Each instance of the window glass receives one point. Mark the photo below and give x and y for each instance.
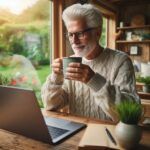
(103, 40)
(25, 43)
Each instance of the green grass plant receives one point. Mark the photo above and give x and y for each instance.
(5, 70)
(43, 72)
(129, 111)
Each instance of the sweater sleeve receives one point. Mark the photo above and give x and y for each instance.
(53, 95)
(109, 93)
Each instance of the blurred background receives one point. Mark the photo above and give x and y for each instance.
(25, 43)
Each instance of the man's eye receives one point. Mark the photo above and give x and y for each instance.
(70, 35)
(80, 34)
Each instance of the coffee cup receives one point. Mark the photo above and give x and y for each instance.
(68, 60)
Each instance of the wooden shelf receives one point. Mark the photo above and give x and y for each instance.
(124, 41)
(144, 95)
(130, 27)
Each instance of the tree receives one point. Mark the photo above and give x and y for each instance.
(39, 11)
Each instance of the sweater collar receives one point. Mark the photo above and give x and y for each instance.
(95, 59)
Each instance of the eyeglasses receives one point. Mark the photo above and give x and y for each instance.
(80, 35)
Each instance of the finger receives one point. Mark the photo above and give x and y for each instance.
(57, 70)
(58, 60)
(57, 63)
(83, 77)
(74, 70)
(73, 64)
(73, 75)
(57, 66)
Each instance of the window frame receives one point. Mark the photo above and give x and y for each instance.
(109, 12)
(58, 40)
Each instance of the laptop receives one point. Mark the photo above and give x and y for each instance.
(20, 113)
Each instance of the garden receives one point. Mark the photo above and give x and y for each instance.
(25, 47)
(24, 59)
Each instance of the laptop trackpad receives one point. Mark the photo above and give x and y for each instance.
(57, 122)
(61, 123)
(65, 126)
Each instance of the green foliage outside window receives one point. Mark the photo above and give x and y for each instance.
(35, 20)
(103, 34)
(15, 42)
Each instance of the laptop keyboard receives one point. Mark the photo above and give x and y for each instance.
(56, 132)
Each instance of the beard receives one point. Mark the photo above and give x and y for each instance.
(83, 50)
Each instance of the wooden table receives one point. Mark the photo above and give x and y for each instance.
(11, 141)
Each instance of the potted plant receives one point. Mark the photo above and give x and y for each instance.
(128, 133)
(146, 81)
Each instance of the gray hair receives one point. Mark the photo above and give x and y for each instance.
(89, 12)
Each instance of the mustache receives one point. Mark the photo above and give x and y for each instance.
(76, 46)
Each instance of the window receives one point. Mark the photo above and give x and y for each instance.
(103, 39)
(25, 43)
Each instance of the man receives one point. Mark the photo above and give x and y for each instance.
(104, 78)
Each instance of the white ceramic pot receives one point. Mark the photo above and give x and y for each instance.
(128, 135)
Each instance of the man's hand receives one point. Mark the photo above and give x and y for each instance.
(79, 72)
(57, 66)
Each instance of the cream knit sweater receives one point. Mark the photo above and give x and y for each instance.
(114, 80)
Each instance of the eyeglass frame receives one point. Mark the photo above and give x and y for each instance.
(80, 35)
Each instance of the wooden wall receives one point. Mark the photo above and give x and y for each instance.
(126, 12)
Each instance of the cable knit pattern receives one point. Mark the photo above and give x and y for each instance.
(114, 81)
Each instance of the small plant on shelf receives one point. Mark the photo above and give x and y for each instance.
(146, 82)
